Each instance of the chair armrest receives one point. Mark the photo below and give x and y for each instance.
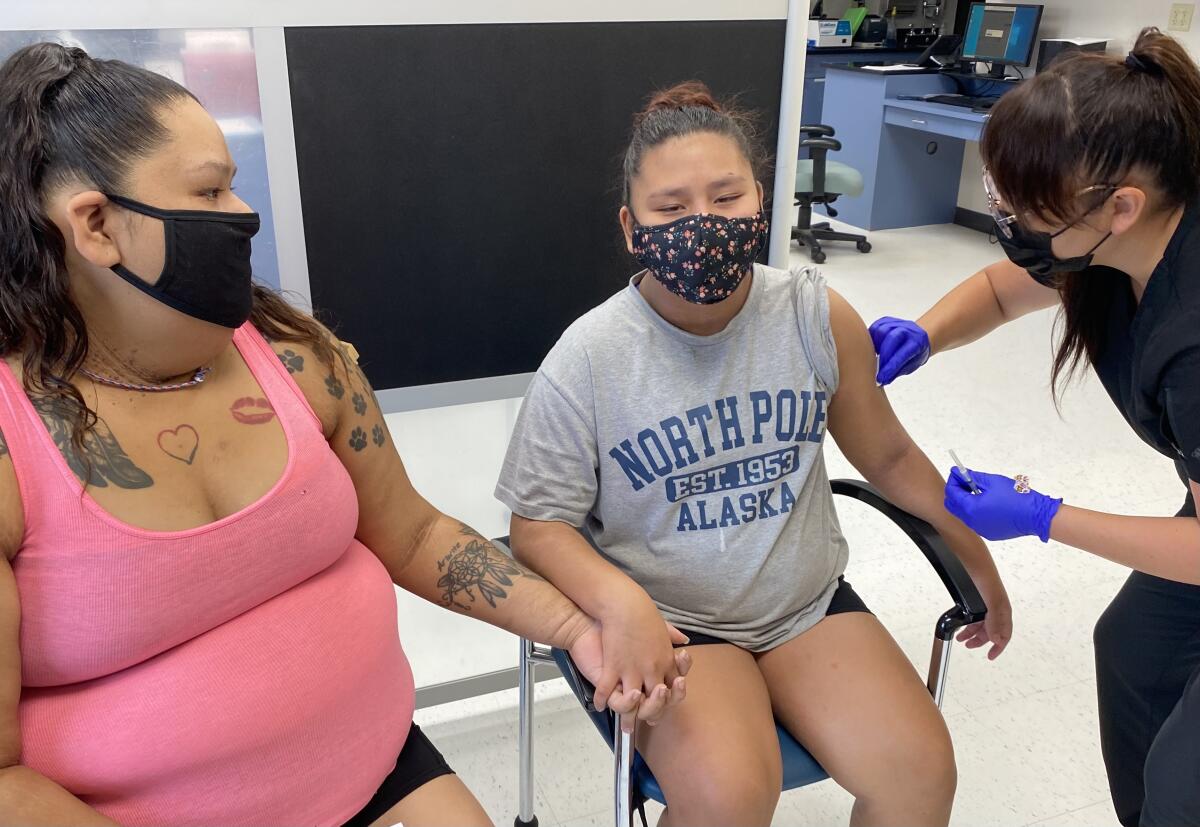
(821, 143)
(817, 129)
(969, 606)
(584, 690)
(818, 148)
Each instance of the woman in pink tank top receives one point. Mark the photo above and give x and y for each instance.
(201, 514)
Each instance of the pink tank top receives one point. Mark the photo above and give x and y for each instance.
(246, 672)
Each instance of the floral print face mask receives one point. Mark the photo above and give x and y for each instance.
(701, 258)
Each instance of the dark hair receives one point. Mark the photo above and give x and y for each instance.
(686, 108)
(1093, 119)
(66, 117)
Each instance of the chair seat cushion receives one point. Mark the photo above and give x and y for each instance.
(799, 768)
(840, 179)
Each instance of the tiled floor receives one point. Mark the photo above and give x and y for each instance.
(1024, 726)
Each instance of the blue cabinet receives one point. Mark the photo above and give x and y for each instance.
(821, 59)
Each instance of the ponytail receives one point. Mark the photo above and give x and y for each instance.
(1172, 79)
(37, 315)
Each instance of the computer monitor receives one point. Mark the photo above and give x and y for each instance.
(1001, 34)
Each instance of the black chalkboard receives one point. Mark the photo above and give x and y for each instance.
(460, 183)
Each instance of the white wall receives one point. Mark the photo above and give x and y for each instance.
(1118, 21)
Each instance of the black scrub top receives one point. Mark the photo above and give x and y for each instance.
(1150, 364)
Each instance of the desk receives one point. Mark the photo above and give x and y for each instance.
(909, 152)
(821, 59)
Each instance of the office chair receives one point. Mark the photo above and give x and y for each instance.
(634, 784)
(821, 181)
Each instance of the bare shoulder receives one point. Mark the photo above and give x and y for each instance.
(848, 327)
(330, 383)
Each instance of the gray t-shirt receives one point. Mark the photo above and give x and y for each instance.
(695, 461)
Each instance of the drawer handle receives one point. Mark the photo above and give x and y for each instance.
(918, 120)
(818, 80)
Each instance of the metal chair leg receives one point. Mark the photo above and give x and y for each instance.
(525, 682)
(623, 752)
(939, 660)
(938, 665)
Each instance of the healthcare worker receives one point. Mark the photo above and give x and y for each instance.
(1092, 171)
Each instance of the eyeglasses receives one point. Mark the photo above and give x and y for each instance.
(1005, 219)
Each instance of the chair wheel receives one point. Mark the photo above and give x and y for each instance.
(818, 256)
(864, 246)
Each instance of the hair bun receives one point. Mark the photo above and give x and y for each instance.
(691, 93)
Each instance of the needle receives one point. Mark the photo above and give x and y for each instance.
(966, 475)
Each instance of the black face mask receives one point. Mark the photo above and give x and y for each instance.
(1033, 252)
(206, 269)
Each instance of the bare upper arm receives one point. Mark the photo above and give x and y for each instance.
(860, 417)
(393, 516)
(10, 666)
(1017, 293)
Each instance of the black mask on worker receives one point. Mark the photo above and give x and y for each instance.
(1033, 251)
(206, 267)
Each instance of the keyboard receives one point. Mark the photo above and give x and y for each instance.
(965, 101)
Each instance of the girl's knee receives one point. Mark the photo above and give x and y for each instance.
(727, 794)
(921, 767)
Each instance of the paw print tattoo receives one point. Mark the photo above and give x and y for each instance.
(377, 436)
(358, 439)
(292, 360)
(335, 387)
(360, 404)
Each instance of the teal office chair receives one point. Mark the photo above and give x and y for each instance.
(634, 784)
(821, 181)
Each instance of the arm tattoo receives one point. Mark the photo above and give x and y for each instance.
(357, 371)
(3, 445)
(335, 387)
(476, 569)
(360, 404)
(378, 436)
(358, 439)
(292, 360)
(103, 461)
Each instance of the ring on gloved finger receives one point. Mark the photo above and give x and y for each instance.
(1021, 484)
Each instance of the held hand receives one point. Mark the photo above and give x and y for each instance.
(664, 698)
(996, 628)
(903, 346)
(1000, 512)
(638, 656)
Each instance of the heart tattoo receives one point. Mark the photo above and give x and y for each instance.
(180, 443)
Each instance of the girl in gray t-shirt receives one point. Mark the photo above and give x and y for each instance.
(681, 422)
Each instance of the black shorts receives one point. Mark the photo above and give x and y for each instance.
(418, 764)
(845, 599)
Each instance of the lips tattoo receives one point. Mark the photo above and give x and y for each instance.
(251, 410)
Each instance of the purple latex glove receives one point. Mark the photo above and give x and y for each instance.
(903, 346)
(1000, 512)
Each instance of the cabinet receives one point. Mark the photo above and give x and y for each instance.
(821, 59)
